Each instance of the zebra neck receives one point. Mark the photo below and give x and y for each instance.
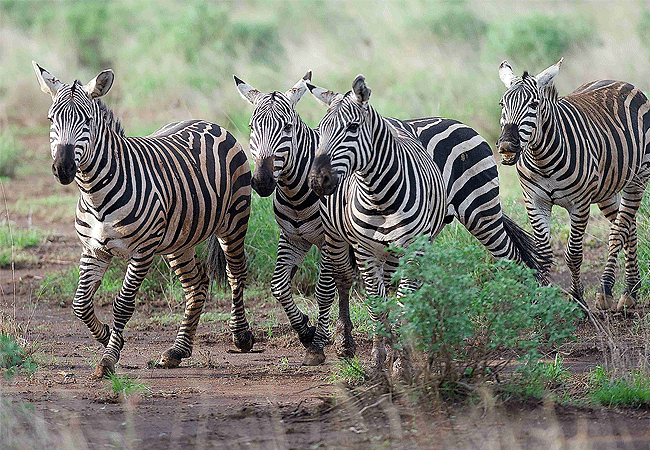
(385, 155)
(293, 180)
(545, 143)
(104, 169)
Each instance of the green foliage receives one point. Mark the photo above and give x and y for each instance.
(13, 358)
(643, 27)
(470, 312)
(10, 147)
(457, 24)
(533, 380)
(14, 240)
(631, 390)
(349, 371)
(125, 385)
(643, 250)
(540, 37)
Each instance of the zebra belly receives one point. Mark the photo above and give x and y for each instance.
(104, 236)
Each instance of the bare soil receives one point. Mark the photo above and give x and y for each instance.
(265, 399)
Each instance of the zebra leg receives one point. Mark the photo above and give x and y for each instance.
(539, 214)
(632, 277)
(344, 341)
(315, 355)
(92, 268)
(609, 207)
(123, 307)
(233, 248)
(291, 253)
(573, 256)
(195, 285)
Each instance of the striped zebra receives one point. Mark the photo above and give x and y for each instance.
(588, 147)
(144, 196)
(283, 148)
(384, 188)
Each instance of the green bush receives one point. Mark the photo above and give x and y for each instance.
(9, 149)
(13, 358)
(471, 316)
(538, 37)
(457, 24)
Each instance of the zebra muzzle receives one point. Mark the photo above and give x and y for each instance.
(322, 179)
(64, 166)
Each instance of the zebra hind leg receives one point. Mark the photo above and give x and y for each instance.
(195, 285)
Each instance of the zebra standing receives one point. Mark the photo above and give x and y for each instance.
(588, 147)
(143, 196)
(385, 189)
(283, 148)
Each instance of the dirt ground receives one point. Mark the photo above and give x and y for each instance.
(222, 399)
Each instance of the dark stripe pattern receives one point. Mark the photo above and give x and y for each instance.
(588, 147)
(157, 195)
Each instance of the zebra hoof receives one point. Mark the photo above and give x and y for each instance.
(104, 369)
(313, 357)
(603, 301)
(244, 340)
(171, 358)
(625, 302)
(307, 337)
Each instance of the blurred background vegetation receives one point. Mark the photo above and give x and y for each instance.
(174, 60)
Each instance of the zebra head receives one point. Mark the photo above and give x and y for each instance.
(520, 108)
(345, 136)
(73, 119)
(273, 131)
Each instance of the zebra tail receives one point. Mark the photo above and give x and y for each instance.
(528, 251)
(215, 262)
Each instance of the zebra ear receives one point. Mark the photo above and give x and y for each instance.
(247, 91)
(49, 83)
(360, 89)
(298, 90)
(506, 74)
(322, 94)
(546, 77)
(100, 85)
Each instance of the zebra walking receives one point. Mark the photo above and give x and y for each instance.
(590, 146)
(283, 148)
(384, 188)
(144, 196)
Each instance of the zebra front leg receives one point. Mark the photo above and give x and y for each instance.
(344, 341)
(123, 307)
(195, 285)
(291, 253)
(233, 248)
(579, 218)
(92, 268)
(325, 287)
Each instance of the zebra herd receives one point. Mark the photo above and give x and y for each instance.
(352, 187)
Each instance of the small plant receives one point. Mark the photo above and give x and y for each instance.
(14, 240)
(349, 371)
(533, 380)
(10, 148)
(628, 390)
(13, 358)
(125, 385)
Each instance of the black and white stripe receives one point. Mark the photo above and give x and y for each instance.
(145, 196)
(588, 147)
(384, 188)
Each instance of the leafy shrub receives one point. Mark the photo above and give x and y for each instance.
(540, 38)
(13, 357)
(471, 316)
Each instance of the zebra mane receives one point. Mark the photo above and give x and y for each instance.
(111, 121)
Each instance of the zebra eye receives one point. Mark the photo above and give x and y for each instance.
(287, 128)
(501, 104)
(353, 127)
(50, 118)
(534, 104)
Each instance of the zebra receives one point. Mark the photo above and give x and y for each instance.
(145, 196)
(384, 188)
(590, 146)
(283, 148)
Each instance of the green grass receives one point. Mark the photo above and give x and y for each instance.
(349, 371)
(13, 242)
(623, 390)
(13, 358)
(10, 149)
(125, 386)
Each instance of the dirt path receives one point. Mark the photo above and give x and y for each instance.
(227, 400)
